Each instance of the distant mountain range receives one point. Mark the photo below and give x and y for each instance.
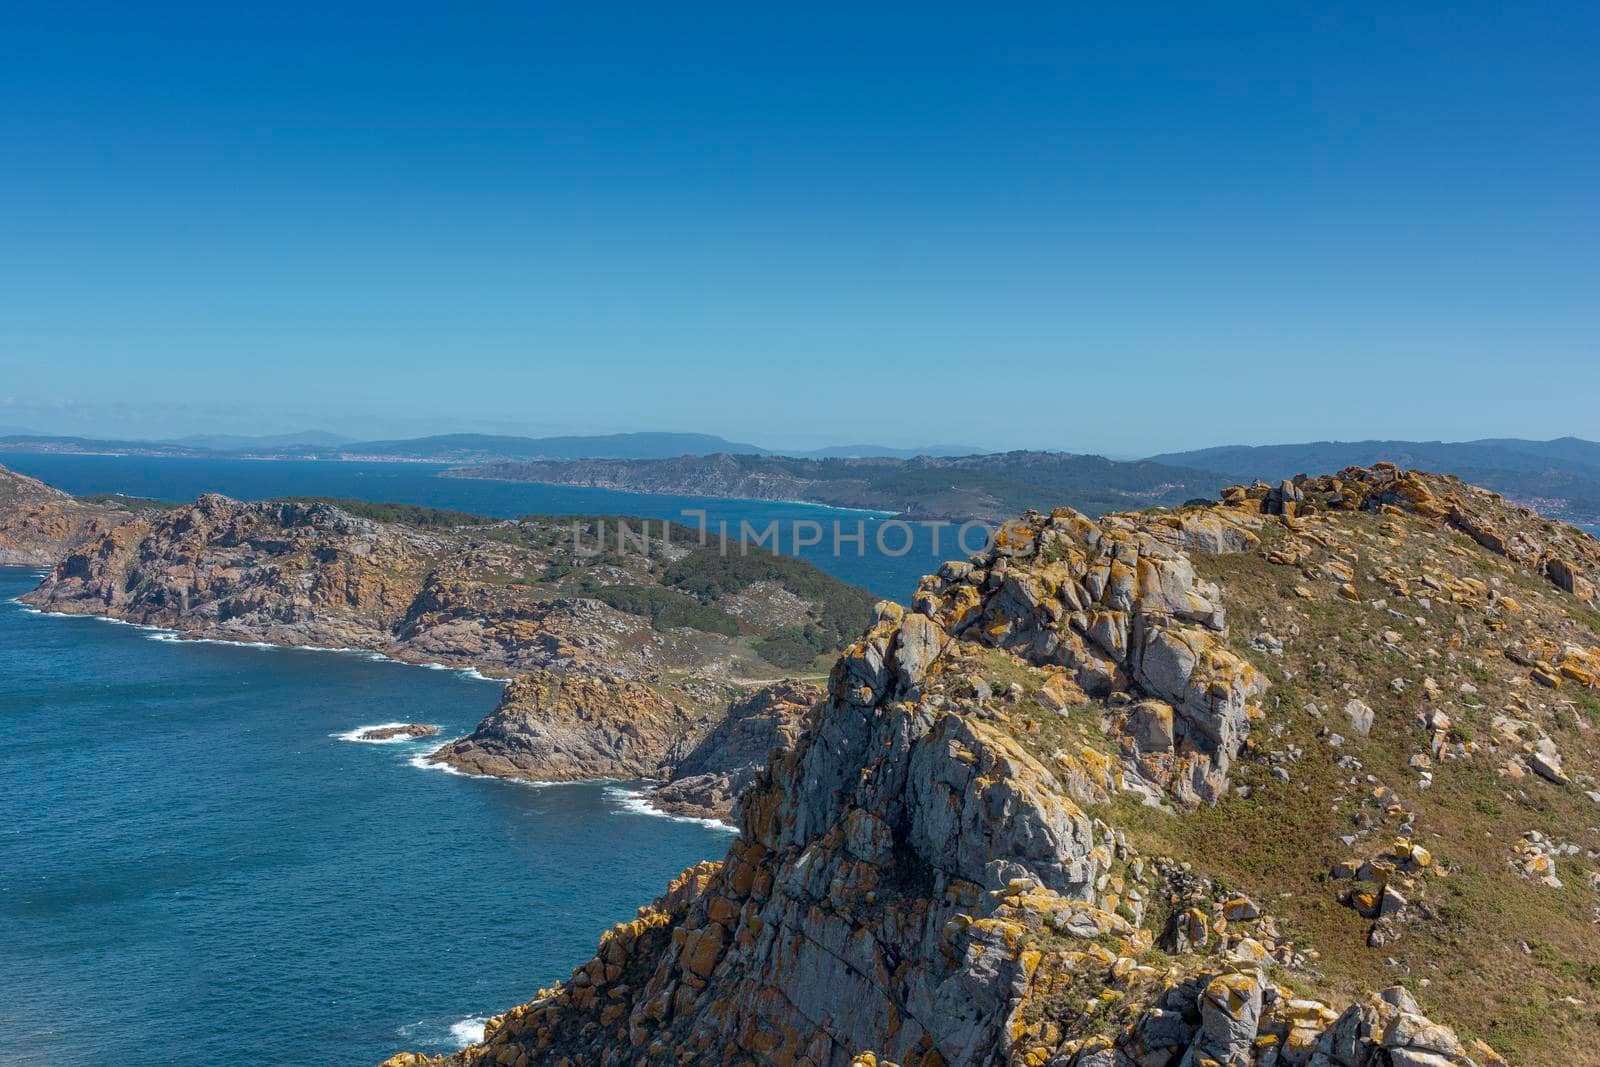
(452, 448)
(222, 442)
(1561, 478)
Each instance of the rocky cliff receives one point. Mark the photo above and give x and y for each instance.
(39, 524)
(708, 780)
(510, 596)
(1168, 790)
(555, 726)
(623, 654)
(706, 746)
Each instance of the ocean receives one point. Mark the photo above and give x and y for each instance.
(196, 867)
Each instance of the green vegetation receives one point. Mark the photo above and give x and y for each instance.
(403, 514)
(708, 573)
(993, 487)
(668, 609)
(795, 647)
(131, 503)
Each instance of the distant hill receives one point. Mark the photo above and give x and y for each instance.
(442, 448)
(222, 442)
(463, 446)
(95, 445)
(884, 452)
(985, 487)
(1560, 478)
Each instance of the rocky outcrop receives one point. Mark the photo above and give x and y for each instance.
(1563, 554)
(1120, 608)
(537, 594)
(390, 733)
(707, 782)
(625, 657)
(911, 886)
(39, 525)
(556, 726)
(944, 867)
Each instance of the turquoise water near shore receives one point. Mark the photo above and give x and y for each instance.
(196, 868)
(893, 573)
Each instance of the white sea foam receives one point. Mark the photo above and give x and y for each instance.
(398, 739)
(832, 507)
(162, 633)
(468, 1031)
(176, 637)
(421, 762)
(634, 801)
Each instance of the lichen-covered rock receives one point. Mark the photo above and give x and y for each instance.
(707, 781)
(913, 884)
(508, 596)
(561, 725)
(39, 525)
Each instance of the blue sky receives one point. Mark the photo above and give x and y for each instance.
(1062, 226)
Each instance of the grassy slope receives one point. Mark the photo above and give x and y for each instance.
(1492, 952)
(1496, 955)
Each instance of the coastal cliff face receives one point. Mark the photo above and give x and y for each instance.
(706, 744)
(509, 596)
(708, 780)
(1169, 789)
(39, 524)
(621, 661)
(554, 726)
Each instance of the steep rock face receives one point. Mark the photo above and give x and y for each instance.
(831, 927)
(39, 525)
(285, 573)
(933, 874)
(509, 596)
(708, 780)
(556, 726)
(858, 909)
(1118, 606)
(629, 656)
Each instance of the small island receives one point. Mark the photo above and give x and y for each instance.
(389, 733)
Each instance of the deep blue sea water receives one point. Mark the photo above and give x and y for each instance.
(195, 869)
(893, 573)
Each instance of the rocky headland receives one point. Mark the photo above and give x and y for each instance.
(707, 781)
(621, 655)
(40, 524)
(506, 596)
(559, 726)
(1167, 789)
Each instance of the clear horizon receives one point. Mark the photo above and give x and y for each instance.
(1120, 232)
